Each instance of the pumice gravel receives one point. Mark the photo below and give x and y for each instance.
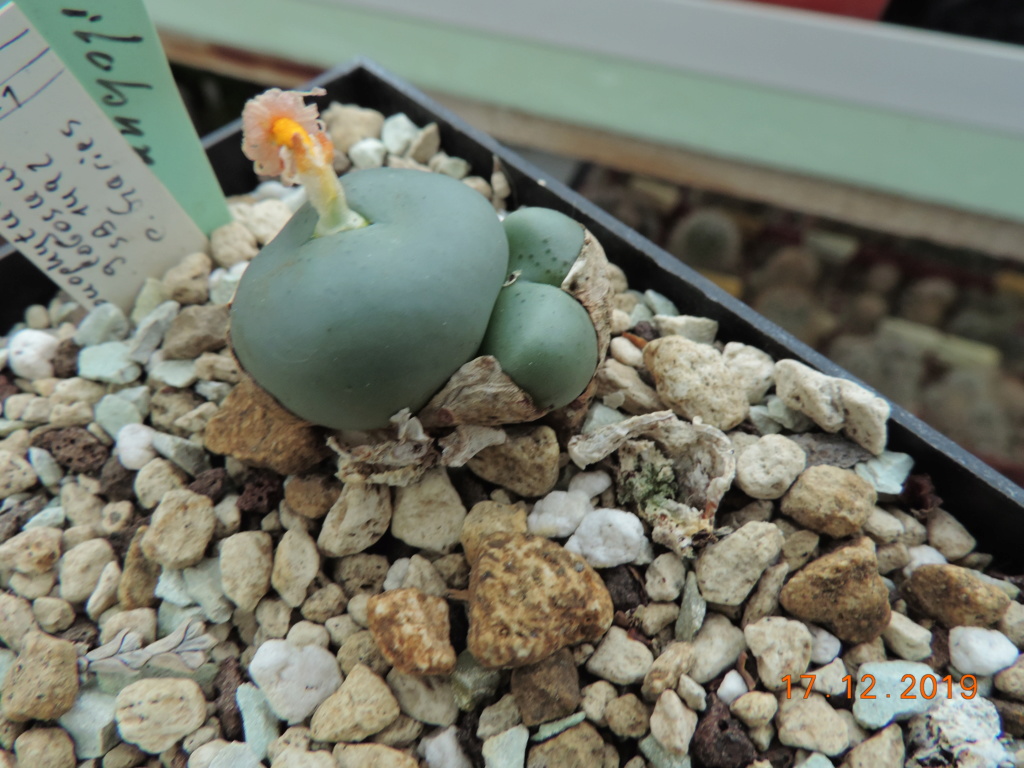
(724, 568)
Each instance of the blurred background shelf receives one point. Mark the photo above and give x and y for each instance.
(911, 132)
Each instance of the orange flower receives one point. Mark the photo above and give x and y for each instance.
(283, 135)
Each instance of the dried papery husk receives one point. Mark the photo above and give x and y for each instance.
(466, 441)
(380, 457)
(703, 464)
(481, 394)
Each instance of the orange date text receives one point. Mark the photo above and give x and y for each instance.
(927, 687)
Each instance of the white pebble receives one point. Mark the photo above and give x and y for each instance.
(134, 447)
(825, 646)
(591, 484)
(732, 687)
(31, 352)
(558, 514)
(610, 537)
(980, 651)
(368, 153)
(442, 750)
(295, 679)
(922, 555)
(398, 132)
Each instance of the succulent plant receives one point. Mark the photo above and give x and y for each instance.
(542, 337)
(383, 285)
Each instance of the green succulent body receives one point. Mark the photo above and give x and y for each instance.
(346, 330)
(543, 338)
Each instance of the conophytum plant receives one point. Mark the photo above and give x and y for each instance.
(389, 280)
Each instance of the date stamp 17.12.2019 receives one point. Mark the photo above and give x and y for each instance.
(925, 686)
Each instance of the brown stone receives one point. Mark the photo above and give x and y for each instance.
(74, 448)
(955, 596)
(1011, 713)
(117, 481)
(43, 681)
(140, 575)
(547, 690)
(529, 597)
(830, 500)
(252, 427)
(196, 330)
(411, 630)
(720, 740)
(213, 483)
(65, 359)
(486, 518)
(578, 747)
(526, 463)
(842, 591)
(311, 496)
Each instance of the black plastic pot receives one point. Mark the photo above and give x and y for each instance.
(987, 503)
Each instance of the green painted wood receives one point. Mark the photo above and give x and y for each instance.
(964, 167)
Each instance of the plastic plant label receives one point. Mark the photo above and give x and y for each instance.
(112, 49)
(75, 198)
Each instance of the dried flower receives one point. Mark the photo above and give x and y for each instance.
(284, 137)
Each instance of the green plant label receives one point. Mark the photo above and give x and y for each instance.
(74, 197)
(112, 49)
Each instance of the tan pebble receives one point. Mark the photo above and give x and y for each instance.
(627, 717)
(116, 516)
(31, 587)
(547, 690)
(274, 616)
(356, 519)
(580, 745)
(53, 614)
(156, 713)
(728, 570)
(830, 500)
(180, 529)
(141, 621)
(530, 597)
(296, 563)
(359, 647)
(695, 382)
(955, 596)
(323, 604)
(883, 749)
(948, 535)
(347, 124)
(304, 633)
(755, 708)
(140, 575)
(33, 551)
(616, 380)
(372, 756)
(842, 591)
(16, 474)
(187, 282)
(45, 748)
(104, 596)
(526, 463)
(232, 243)
(311, 496)
(675, 660)
(80, 569)
(155, 479)
(218, 367)
(673, 723)
(768, 468)
(43, 681)
(489, 517)
(812, 724)
(428, 514)
(361, 707)
(252, 427)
